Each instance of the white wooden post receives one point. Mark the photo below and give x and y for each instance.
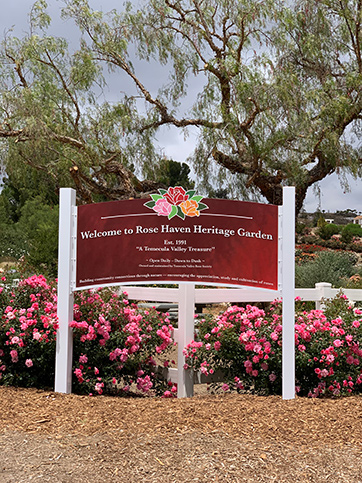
(66, 262)
(325, 292)
(186, 312)
(288, 293)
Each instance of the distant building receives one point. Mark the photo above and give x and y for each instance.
(358, 220)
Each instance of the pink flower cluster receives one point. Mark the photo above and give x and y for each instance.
(35, 322)
(172, 392)
(128, 336)
(247, 342)
(114, 342)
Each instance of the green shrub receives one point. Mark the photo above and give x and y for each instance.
(39, 225)
(13, 242)
(356, 246)
(308, 239)
(350, 231)
(333, 244)
(326, 231)
(331, 267)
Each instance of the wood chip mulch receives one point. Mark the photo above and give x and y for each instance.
(46, 436)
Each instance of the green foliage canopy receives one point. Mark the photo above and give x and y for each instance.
(278, 94)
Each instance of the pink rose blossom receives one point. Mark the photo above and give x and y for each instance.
(29, 363)
(144, 383)
(257, 348)
(330, 358)
(99, 387)
(217, 345)
(14, 356)
(274, 336)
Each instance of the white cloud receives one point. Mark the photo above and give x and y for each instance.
(334, 197)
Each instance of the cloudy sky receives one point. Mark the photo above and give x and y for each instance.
(332, 195)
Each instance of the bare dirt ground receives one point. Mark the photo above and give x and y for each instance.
(51, 437)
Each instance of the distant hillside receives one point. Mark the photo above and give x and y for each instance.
(339, 218)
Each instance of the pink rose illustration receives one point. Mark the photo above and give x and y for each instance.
(162, 207)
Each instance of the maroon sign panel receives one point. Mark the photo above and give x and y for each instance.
(176, 239)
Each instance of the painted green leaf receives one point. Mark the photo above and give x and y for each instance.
(163, 192)
(180, 213)
(173, 212)
(191, 193)
(197, 198)
(202, 206)
(156, 197)
(150, 204)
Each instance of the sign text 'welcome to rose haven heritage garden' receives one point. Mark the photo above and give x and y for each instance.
(177, 236)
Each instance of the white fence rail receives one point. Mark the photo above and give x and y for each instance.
(324, 291)
(319, 294)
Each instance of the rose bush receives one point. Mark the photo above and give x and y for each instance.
(28, 332)
(245, 344)
(115, 343)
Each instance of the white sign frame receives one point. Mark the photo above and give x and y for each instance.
(185, 295)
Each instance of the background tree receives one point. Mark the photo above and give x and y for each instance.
(173, 173)
(278, 99)
(52, 120)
